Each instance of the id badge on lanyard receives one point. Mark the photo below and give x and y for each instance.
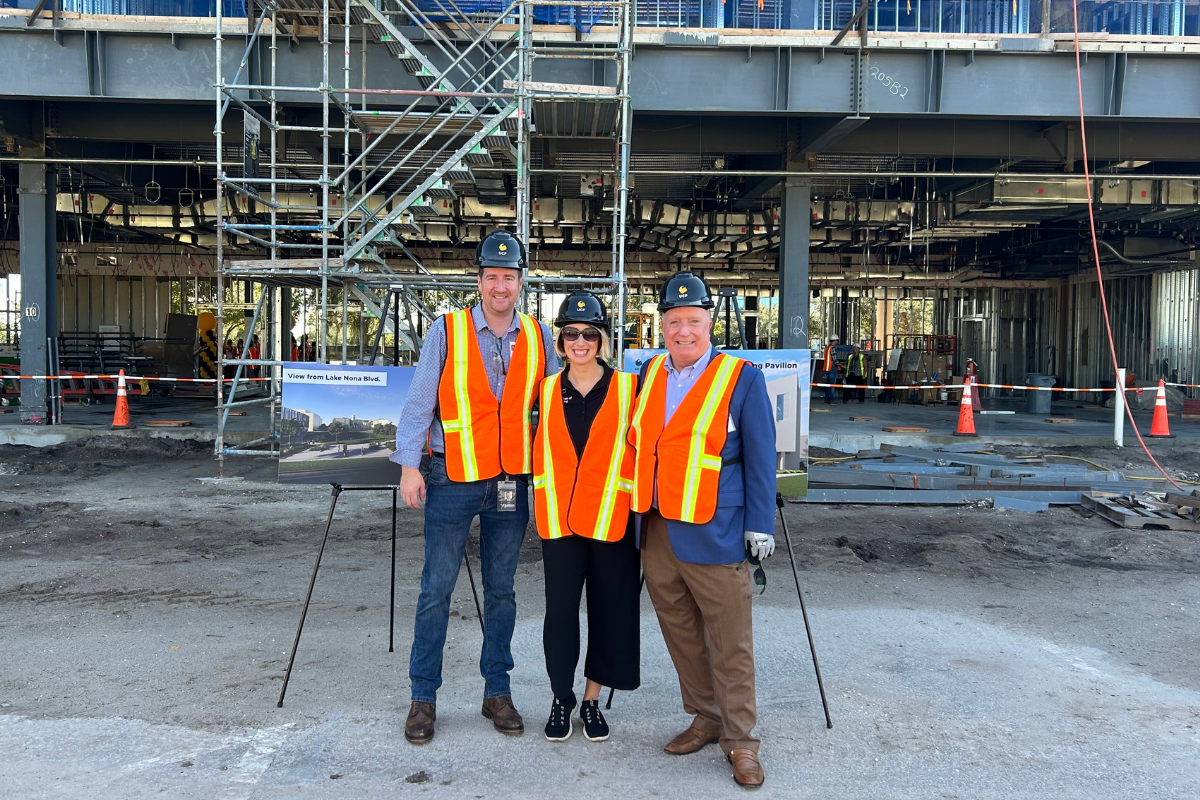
(506, 495)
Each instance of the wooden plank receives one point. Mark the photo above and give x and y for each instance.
(167, 423)
(1061, 420)
(904, 429)
(565, 88)
(284, 263)
(1185, 500)
(1117, 512)
(864, 419)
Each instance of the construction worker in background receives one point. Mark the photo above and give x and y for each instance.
(830, 367)
(254, 353)
(228, 352)
(582, 479)
(704, 487)
(856, 373)
(475, 423)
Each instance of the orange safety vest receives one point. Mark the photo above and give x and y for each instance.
(485, 436)
(688, 448)
(584, 496)
(828, 357)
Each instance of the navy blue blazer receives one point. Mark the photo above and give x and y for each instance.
(746, 491)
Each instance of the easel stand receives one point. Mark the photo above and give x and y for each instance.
(337, 491)
(804, 611)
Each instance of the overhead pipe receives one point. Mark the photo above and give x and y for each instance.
(1147, 262)
(739, 173)
(133, 162)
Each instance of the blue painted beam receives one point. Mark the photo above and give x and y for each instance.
(723, 80)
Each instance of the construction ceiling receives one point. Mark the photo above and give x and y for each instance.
(715, 208)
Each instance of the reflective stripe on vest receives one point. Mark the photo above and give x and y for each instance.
(484, 435)
(688, 448)
(588, 496)
(525, 370)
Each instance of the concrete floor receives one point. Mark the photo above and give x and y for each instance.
(968, 653)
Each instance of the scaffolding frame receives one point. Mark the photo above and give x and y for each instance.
(317, 224)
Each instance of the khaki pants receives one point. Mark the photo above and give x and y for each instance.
(704, 611)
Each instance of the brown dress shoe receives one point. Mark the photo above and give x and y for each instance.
(504, 715)
(746, 769)
(689, 741)
(418, 728)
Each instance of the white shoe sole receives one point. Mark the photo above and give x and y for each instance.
(570, 730)
(603, 738)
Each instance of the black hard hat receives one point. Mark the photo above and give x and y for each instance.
(582, 307)
(500, 249)
(684, 289)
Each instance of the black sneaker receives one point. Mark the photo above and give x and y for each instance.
(558, 727)
(594, 726)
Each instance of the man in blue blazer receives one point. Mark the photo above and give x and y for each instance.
(704, 430)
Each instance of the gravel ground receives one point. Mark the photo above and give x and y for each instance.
(968, 652)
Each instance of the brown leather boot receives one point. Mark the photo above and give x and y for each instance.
(746, 769)
(690, 741)
(504, 715)
(418, 728)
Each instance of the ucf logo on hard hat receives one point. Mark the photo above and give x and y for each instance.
(580, 305)
(682, 290)
(503, 248)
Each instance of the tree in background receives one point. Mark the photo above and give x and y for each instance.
(290, 428)
(384, 430)
(337, 429)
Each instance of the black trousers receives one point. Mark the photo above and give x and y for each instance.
(860, 393)
(610, 570)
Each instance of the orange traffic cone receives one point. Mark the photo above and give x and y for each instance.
(1158, 427)
(966, 418)
(121, 413)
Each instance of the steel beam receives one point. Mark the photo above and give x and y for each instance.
(36, 189)
(823, 140)
(930, 498)
(793, 263)
(902, 81)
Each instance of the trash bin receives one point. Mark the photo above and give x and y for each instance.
(1038, 402)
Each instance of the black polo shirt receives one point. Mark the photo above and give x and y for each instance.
(580, 411)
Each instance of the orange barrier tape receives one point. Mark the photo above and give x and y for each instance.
(79, 377)
(959, 386)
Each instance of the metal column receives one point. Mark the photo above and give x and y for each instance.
(39, 302)
(793, 263)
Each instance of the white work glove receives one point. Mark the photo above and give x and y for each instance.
(760, 545)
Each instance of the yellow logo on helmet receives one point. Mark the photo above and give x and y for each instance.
(503, 248)
(682, 290)
(580, 305)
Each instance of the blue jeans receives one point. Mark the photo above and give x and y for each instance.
(449, 509)
(830, 377)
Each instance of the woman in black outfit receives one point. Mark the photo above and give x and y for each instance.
(583, 476)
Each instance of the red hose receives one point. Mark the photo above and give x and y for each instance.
(1112, 349)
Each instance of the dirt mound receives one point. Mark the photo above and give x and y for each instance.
(951, 539)
(98, 453)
